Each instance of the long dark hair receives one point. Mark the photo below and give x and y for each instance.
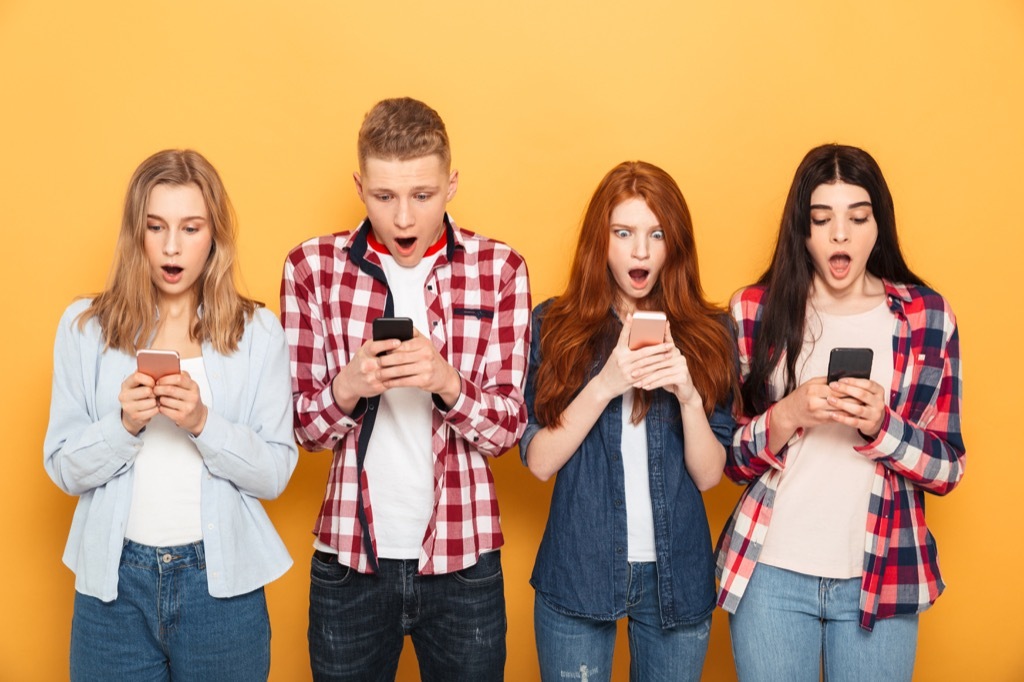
(577, 327)
(788, 278)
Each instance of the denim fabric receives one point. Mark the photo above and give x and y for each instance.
(572, 647)
(582, 566)
(164, 625)
(358, 621)
(789, 624)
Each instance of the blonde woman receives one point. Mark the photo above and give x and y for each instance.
(169, 543)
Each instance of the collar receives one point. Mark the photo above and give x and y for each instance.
(442, 241)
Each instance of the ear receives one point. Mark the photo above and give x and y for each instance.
(359, 185)
(453, 185)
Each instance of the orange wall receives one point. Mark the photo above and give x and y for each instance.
(541, 98)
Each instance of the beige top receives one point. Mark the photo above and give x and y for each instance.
(821, 506)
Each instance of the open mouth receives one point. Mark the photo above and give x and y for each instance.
(639, 276)
(405, 243)
(839, 264)
(172, 270)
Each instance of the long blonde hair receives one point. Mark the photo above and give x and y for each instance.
(126, 309)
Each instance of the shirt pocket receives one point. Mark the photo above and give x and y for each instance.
(470, 340)
(927, 377)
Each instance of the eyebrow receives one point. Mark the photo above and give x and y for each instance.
(829, 208)
(185, 219)
(632, 227)
(420, 188)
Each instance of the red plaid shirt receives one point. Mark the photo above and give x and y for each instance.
(918, 449)
(478, 307)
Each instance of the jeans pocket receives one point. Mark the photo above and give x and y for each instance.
(485, 571)
(327, 572)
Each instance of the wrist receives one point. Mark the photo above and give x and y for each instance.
(345, 399)
(695, 404)
(452, 388)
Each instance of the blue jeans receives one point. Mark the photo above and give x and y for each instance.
(358, 621)
(164, 625)
(789, 624)
(578, 648)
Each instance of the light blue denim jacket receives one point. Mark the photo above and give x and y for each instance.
(582, 566)
(246, 445)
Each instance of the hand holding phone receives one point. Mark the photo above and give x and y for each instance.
(849, 363)
(158, 363)
(648, 329)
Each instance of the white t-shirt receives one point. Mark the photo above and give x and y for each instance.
(639, 515)
(399, 461)
(821, 506)
(165, 509)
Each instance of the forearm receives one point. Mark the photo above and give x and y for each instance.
(552, 447)
(703, 454)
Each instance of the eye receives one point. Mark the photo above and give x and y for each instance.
(859, 220)
(658, 234)
(153, 227)
(818, 221)
(422, 196)
(621, 233)
(190, 229)
(382, 197)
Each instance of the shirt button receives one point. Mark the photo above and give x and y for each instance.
(618, 550)
(166, 558)
(618, 503)
(435, 323)
(210, 526)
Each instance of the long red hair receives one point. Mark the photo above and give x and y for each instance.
(577, 329)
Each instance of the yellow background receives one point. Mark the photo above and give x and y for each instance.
(541, 98)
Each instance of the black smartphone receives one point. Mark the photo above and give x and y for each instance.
(392, 328)
(849, 362)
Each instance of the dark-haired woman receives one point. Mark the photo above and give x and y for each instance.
(827, 559)
(634, 437)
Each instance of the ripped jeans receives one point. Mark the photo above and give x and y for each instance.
(576, 648)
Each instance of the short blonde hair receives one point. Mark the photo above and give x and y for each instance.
(401, 129)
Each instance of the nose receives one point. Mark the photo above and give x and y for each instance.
(403, 215)
(840, 231)
(172, 243)
(641, 249)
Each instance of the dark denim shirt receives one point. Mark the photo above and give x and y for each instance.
(582, 567)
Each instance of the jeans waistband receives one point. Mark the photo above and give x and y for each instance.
(164, 558)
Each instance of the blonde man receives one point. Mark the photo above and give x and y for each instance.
(408, 537)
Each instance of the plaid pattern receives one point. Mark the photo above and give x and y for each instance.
(918, 449)
(478, 307)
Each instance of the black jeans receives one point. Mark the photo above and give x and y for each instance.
(358, 622)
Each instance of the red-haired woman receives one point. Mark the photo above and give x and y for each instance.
(634, 436)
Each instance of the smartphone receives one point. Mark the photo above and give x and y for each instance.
(849, 362)
(648, 329)
(158, 363)
(392, 328)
